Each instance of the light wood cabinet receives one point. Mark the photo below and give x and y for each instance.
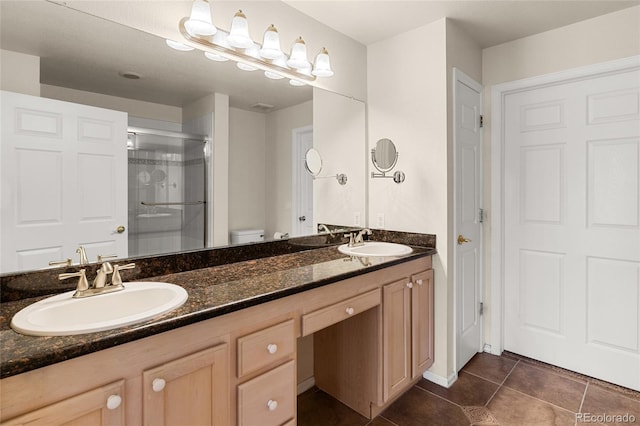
(190, 390)
(407, 317)
(103, 406)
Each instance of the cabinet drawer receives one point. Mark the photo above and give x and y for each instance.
(317, 320)
(259, 349)
(269, 399)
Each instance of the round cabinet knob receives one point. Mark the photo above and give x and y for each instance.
(272, 404)
(158, 385)
(350, 311)
(419, 282)
(113, 402)
(272, 348)
(410, 284)
(120, 229)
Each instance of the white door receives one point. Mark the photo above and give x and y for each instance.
(302, 183)
(572, 225)
(468, 220)
(64, 181)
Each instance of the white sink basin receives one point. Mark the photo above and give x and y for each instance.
(62, 315)
(376, 248)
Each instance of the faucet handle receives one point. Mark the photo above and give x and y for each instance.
(83, 284)
(116, 280)
(102, 257)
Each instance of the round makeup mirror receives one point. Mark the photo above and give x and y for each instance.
(313, 162)
(384, 155)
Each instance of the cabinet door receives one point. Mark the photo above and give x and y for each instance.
(193, 390)
(422, 322)
(396, 318)
(101, 407)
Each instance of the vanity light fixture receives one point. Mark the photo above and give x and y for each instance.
(218, 45)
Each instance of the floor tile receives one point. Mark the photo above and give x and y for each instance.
(317, 408)
(599, 401)
(418, 407)
(480, 416)
(490, 367)
(380, 421)
(512, 408)
(547, 385)
(468, 390)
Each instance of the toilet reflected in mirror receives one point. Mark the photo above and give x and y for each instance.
(313, 165)
(385, 157)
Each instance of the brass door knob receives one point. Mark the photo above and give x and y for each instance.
(462, 240)
(120, 229)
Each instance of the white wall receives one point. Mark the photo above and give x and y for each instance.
(19, 73)
(407, 103)
(604, 38)
(279, 189)
(247, 183)
(339, 136)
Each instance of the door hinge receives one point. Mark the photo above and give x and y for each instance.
(481, 121)
(481, 308)
(481, 215)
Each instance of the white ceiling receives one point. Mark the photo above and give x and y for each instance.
(489, 22)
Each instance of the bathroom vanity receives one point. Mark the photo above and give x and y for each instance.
(228, 355)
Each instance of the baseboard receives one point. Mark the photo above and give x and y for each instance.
(307, 384)
(440, 380)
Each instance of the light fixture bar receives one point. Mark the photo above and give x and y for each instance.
(209, 45)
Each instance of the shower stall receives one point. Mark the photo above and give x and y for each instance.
(167, 190)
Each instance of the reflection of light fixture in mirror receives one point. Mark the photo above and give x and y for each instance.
(281, 62)
(271, 44)
(238, 46)
(200, 22)
(239, 33)
(384, 157)
(219, 38)
(178, 46)
(131, 141)
(313, 165)
(251, 51)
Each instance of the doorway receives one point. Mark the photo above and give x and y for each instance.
(302, 183)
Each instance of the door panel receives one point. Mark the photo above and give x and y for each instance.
(572, 225)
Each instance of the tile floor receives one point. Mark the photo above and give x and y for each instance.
(490, 390)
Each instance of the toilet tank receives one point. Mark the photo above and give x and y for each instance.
(241, 236)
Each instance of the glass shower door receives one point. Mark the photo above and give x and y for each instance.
(167, 190)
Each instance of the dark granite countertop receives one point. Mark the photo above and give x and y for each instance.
(213, 291)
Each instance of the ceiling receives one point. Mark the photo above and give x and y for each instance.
(489, 22)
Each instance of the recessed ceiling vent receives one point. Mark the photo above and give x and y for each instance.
(262, 107)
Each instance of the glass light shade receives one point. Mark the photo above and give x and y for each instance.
(250, 51)
(306, 71)
(298, 58)
(219, 38)
(239, 34)
(178, 46)
(271, 44)
(322, 66)
(281, 62)
(200, 22)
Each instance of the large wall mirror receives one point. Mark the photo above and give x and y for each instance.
(92, 61)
